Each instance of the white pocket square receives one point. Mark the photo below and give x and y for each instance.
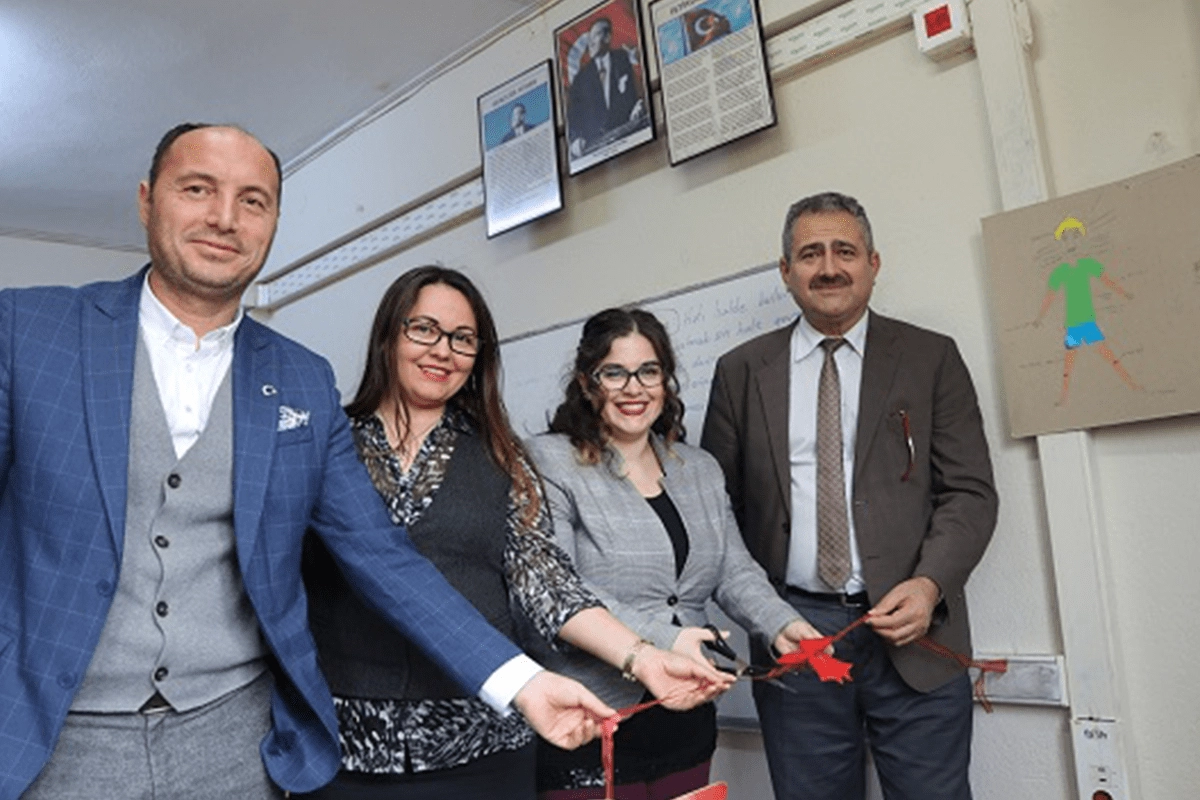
(291, 418)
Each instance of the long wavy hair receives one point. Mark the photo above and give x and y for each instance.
(578, 416)
(479, 398)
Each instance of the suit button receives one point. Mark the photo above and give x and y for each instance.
(161, 674)
(104, 588)
(672, 600)
(173, 480)
(161, 608)
(66, 680)
(162, 541)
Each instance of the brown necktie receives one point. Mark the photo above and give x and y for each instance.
(833, 528)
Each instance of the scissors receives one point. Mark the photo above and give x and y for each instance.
(740, 667)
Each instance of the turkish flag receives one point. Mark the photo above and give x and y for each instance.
(704, 27)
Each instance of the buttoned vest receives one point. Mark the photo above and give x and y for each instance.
(180, 623)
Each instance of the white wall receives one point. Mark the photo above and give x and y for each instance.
(1120, 93)
(30, 262)
(1120, 90)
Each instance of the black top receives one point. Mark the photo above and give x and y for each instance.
(662, 505)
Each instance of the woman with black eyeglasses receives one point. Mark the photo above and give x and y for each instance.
(646, 521)
(430, 426)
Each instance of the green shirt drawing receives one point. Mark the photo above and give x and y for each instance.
(1076, 283)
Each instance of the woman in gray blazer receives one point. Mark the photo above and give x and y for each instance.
(648, 525)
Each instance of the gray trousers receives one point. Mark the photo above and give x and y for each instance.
(209, 752)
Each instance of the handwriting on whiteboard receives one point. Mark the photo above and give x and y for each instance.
(704, 321)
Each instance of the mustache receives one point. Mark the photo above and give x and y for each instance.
(829, 281)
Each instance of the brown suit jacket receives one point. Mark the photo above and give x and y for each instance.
(935, 522)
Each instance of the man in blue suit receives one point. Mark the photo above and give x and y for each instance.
(161, 456)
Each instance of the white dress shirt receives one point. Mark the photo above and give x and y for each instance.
(604, 67)
(188, 371)
(807, 358)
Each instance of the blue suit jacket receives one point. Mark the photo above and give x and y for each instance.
(66, 380)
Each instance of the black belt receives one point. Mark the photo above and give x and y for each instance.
(858, 599)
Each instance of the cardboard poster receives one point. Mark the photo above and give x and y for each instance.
(1093, 296)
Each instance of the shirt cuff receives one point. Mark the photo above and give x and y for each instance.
(502, 685)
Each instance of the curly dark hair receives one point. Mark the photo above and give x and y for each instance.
(578, 416)
(479, 398)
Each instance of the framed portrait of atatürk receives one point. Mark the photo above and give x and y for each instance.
(600, 66)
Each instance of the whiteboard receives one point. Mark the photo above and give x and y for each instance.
(705, 321)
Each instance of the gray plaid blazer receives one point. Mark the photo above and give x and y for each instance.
(623, 553)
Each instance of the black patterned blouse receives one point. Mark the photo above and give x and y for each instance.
(397, 736)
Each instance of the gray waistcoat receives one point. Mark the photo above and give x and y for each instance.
(180, 621)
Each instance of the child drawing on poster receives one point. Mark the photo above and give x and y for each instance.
(1075, 281)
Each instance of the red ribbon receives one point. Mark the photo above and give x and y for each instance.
(997, 665)
(812, 652)
(828, 668)
(608, 727)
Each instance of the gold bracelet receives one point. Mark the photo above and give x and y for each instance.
(627, 667)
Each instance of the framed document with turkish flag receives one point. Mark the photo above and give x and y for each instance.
(712, 66)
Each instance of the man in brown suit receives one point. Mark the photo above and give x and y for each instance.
(891, 528)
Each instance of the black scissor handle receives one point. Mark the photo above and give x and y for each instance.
(719, 645)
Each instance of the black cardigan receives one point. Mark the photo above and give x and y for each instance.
(463, 534)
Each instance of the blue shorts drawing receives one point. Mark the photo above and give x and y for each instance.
(1083, 333)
